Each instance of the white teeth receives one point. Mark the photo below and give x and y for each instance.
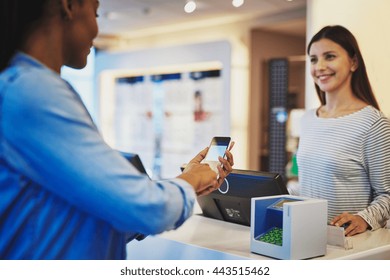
(323, 77)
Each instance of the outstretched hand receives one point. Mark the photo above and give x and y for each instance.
(202, 177)
(227, 165)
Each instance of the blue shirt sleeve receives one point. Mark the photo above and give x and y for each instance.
(49, 138)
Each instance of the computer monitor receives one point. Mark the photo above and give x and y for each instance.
(232, 201)
(135, 160)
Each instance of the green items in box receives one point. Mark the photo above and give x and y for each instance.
(273, 236)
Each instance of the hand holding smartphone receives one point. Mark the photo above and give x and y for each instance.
(217, 148)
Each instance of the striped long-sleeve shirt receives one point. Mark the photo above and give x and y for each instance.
(346, 160)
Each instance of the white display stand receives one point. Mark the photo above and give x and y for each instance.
(288, 227)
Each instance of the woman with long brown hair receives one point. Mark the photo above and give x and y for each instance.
(344, 149)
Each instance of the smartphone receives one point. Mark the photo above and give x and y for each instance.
(217, 148)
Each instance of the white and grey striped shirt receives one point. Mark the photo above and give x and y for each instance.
(346, 160)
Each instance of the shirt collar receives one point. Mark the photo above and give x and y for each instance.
(23, 58)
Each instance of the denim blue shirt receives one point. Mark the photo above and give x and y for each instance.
(64, 193)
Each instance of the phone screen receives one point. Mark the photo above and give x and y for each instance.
(217, 149)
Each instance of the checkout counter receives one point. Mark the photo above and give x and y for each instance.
(201, 238)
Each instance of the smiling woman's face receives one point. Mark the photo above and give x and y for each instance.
(80, 32)
(331, 66)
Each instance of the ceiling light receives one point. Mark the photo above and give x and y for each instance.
(237, 3)
(190, 7)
